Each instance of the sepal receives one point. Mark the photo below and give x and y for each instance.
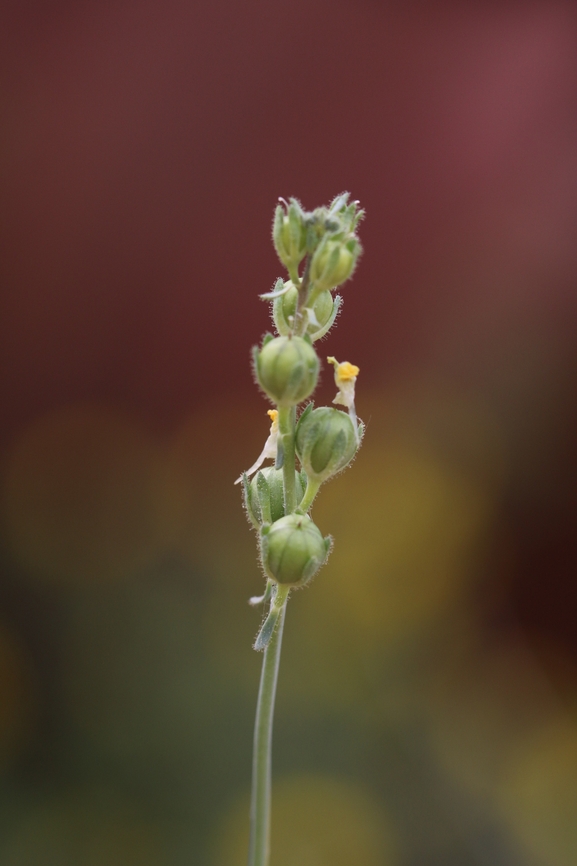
(321, 313)
(280, 289)
(262, 599)
(279, 596)
(265, 495)
(247, 501)
(337, 304)
(334, 262)
(289, 234)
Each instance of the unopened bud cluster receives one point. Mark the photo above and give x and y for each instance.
(320, 250)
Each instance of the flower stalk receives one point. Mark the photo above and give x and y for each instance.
(311, 491)
(323, 245)
(259, 845)
(287, 419)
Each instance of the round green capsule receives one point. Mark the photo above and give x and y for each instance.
(289, 234)
(326, 441)
(293, 550)
(287, 370)
(333, 263)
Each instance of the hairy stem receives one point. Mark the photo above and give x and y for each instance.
(300, 321)
(287, 423)
(310, 493)
(259, 847)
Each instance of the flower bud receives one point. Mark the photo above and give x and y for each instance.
(265, 495)
(289, 234)
(334, 262)
(284, 309)
(326, 441)
(287, 369)
(293, 550)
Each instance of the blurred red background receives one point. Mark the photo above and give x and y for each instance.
(144, 146)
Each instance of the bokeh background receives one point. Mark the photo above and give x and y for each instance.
(427, 706)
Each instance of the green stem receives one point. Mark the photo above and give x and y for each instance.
(259, 847)
(287, 423)
(293, 273)
(300, 321)
(309, 495)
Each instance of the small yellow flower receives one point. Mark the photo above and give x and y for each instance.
(270, 446)
(345, 379)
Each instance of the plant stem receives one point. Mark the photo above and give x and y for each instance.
(310, 493)
(300, 323)
(259, 847)
(287, 422)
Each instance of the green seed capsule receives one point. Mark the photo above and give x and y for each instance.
(265, 500)
(287, 370)
(326, 441)
(293, 550)
(289, 234)
(284, 309)
(333, 263)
